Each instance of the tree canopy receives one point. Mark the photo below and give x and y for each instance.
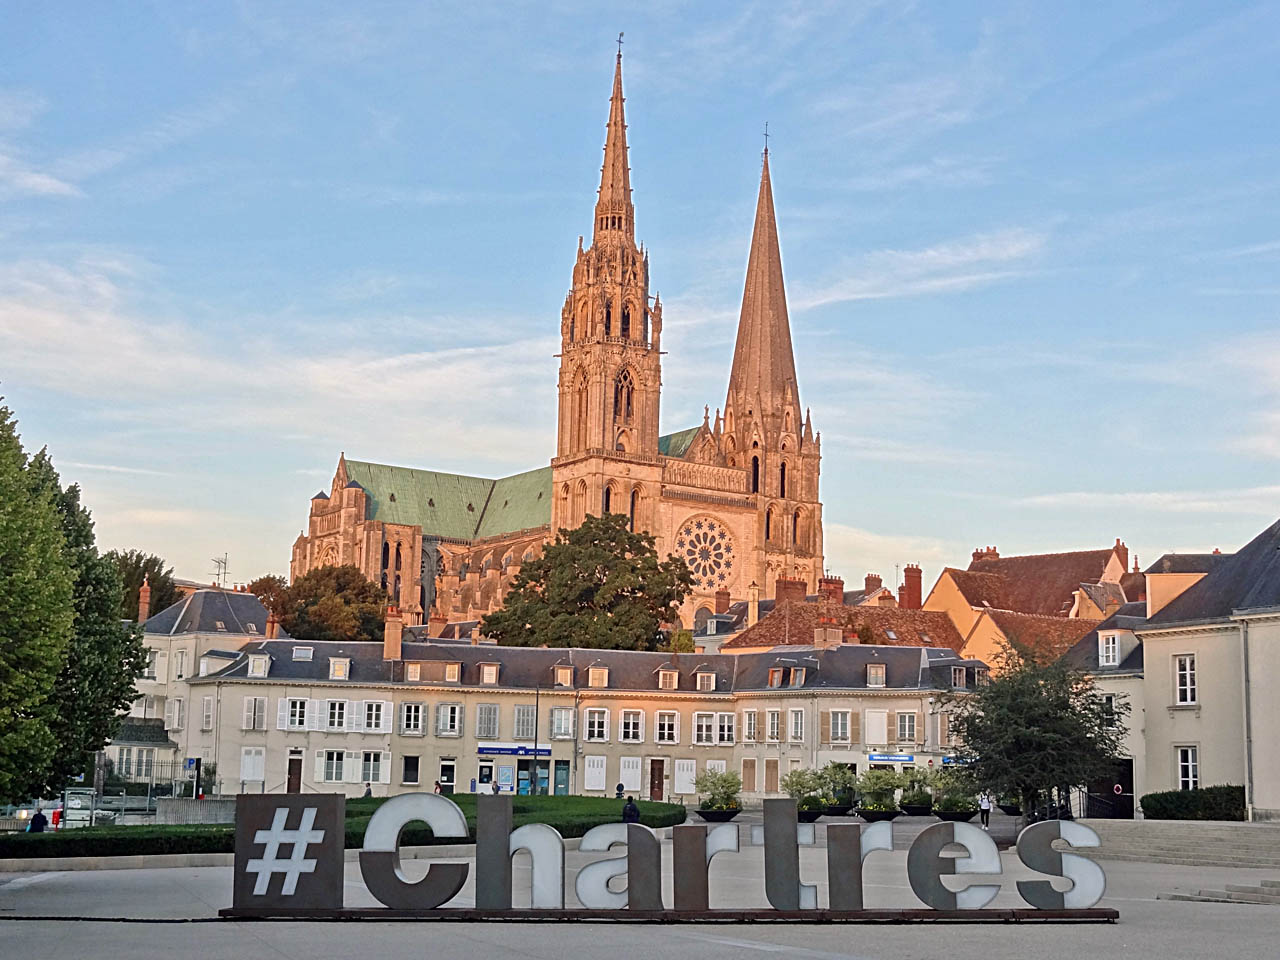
(331, 603)
(599, 585)
(105, 655)
(1036, 726)
(134, 565)
(36, 617)
(271, 590)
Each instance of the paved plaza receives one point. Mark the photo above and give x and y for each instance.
(1148, 927)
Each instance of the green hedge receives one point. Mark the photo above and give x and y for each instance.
(572, 816)
(1205, 803)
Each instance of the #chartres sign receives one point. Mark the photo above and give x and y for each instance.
(289, 861)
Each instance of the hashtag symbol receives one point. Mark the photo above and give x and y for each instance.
(296, 863)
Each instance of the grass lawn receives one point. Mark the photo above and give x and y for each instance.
(572, 816)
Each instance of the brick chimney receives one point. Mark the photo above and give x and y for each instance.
(911, 592)
(987, 553)
(785, 588)
(392, 634)
(872, 583)
(1122, 552)
(831, 589)
(753, 604)
(273, 626)
(722, 601)
(436, 622)
(144, 599)
(827, 633)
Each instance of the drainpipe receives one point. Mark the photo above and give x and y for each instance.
(573, 773)
(1248, 721)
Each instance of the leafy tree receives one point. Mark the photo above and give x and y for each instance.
(333, 603)
(134, 566)
(719, 789)
(105, 655)
(677, 641)
(271, 590)
(35, 620)
(865, 633)
(1035, 727)
(600, 585)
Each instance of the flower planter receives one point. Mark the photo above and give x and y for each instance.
(808, 816)
(917, 809)
(875, 816)
(956, 816)
(838, 810)
(1012, 809)
(718, 816)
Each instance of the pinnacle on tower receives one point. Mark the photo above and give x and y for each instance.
(763, 365)
(614, 213)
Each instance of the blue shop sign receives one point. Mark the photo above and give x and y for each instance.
(892, 758)
(514, 751)
(953, 761)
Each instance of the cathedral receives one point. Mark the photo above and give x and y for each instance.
(735, 497)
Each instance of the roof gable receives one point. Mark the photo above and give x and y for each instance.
(1247, 579)
(1041, 584)
(677, 444)
(793, 623)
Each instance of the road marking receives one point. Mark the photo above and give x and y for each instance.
(29, 879)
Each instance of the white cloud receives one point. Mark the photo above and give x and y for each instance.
(1259, 501)
(18, 108)
(18, 178)
(852, 552)
(64, 465)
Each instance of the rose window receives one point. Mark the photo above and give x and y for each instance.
(707, 548)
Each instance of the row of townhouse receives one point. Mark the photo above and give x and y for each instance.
(295, 716)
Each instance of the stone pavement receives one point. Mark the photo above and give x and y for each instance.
(1148, 927)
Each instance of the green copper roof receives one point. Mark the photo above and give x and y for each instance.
(676, 444)
(452, 505)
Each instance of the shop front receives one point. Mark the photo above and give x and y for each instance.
(515, 768)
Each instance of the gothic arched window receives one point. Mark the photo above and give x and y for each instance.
(578, 428)
(397, 557)
(782, 480)
(635, 499)
(608, 318)
(386, 555)
(571, 330)
(623, 391)
(608, 499)
(795, 528)
(626, 323)
(768, 524)
(755, 474)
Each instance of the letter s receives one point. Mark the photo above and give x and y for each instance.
(1035, 849)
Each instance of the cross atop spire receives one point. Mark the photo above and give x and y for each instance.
(763, 365)
(614, 212)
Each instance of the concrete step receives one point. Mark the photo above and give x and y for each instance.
(1265, 894)
(1180, 861)
(1271, 883)
(1226, 896)
(1196, 897)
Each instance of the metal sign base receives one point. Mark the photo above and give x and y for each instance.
(464, 915)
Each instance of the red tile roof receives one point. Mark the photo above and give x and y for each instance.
(794, 622)
(1046, 638)
(1038, 583)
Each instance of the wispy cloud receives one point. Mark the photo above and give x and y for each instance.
(19, 178)
(853, 551)
(113, 468)
(1260, 501)
(18, 108)
(950, 267)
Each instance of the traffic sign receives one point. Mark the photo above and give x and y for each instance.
(1117, 789)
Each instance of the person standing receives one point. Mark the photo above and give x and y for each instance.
(494, 788)
(38, 822)
(630, 812)
(984, 809)
(368, 789)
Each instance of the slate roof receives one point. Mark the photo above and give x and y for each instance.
(1247, 579)
(1083, 655)
(1048, 637)
(1187, 562)
(793, 623)
(146, 732)
(1103, 593)
(677, 444)
(200, 612)
(529, 667)
(1041, 583)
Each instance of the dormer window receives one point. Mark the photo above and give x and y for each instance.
(489, 673)
(875, 674)
(220, 625)
(891, 635)
(564, 676)
(251, 627)
(706, 682)
(452, 671)
(668, 680)
(204, 666)
(302, 653)
(957, 678)
(413, 672)
(598, 677)
(258, 663)
(339, 668)
(775, 676)
(797, 676)
(1108, 650)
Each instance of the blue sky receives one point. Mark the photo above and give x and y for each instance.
(1032, 255)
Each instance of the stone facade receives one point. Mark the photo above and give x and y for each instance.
(736, 497)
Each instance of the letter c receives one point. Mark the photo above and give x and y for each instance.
(380, 857)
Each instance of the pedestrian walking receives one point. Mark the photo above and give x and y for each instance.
(493, 788)
(439, 789)
(630, 812)
(38, 822)
(984, 809)
(368, 790)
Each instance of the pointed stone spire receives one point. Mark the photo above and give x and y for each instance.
(763, 364)
(614, 212)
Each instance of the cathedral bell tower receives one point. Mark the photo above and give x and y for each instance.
(610, 367)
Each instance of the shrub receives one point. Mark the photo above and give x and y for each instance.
(916, 798)
(719, 789)
(954, 792)
(878, 788)
(801, 784)
(838, 781)
(1224, 802)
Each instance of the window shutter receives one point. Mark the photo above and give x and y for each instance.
(319, 766)
(162, 667)
(246, 722)
(893, 726)
(388, 724)
(206, 719)
(355, 722)
(855, 725)
(944, 728)
(641, 730)
(385, 769)
(282, 714)
(168, 713)
(439, 718)
(351, 767)
(607, 715)
(826, 726)
(919, 728)
(313, 714)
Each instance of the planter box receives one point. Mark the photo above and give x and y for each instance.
(956, 816)
(808, 816)
(839, 810)
(1012, 809)
(875, 816)
(917, 809)
(718, 816)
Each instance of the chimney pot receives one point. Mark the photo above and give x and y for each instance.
(722, 601)
(872, 582)
(144, 599)
(392, 634)
(831, 589)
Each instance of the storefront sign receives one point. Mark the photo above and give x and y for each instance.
(289, 862)
(892, 758)
(953, 761)
(512, 750)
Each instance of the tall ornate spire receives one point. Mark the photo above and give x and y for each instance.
(614, 213)
(763, 364)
